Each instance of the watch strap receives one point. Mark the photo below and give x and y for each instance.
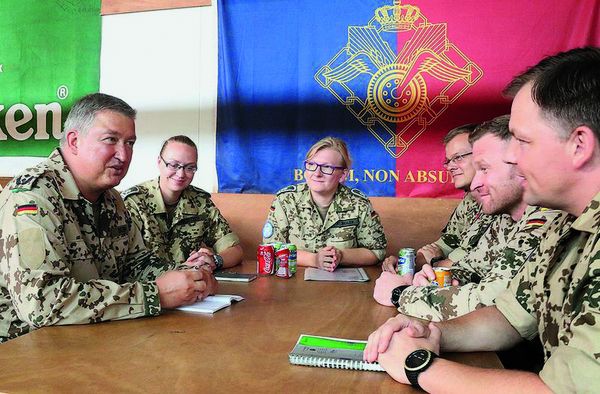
(218, 261)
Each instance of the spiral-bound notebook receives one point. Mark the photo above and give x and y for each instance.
(328, 352)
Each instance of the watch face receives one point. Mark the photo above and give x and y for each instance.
(417, 359)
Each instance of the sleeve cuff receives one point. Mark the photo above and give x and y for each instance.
(570, 370)
(225, 242)
(457, 254)
(446, 250)
(379, 253)
(523, 322)
(151, 299)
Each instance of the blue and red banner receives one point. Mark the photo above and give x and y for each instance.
(388, 77)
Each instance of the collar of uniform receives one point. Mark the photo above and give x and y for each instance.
(154, 197)
(305, 200)
(342, 200)
(589, 220)
(185, 206)
(469, 196)
(68, 188)
(109, 208)
(188, 202)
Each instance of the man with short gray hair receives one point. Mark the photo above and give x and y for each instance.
(69, 253)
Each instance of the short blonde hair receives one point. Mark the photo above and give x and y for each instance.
(331, 143)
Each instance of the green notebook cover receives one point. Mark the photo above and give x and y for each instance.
(326, 352)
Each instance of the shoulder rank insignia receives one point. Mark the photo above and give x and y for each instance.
(22, 183)
(28, 209)
(358, 193)
(130, 192)
(200, 191)
(287, 189)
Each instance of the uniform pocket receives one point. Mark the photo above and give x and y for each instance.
(82, 262)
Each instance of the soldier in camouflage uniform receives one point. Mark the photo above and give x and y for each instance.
(485, 271)
(176, 218)
(69, 253)
(555, 120)
(330, 223)
(509, 240)
(459, 163)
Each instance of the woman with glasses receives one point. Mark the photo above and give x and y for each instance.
(329, 223)
(178, 221)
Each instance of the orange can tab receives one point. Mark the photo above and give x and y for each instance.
(443, 277)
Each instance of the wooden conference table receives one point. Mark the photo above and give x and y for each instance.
(243, 348)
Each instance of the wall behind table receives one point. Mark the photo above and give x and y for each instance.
(164, 64)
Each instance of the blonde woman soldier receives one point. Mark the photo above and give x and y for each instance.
(329, 223)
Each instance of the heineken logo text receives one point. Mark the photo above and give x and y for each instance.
(17, 122)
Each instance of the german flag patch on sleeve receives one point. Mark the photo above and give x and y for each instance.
(29, 209)
(536, 222)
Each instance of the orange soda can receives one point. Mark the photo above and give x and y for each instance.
(443, 277)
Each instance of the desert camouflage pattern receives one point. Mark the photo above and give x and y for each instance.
(557, 296)
(469, 239)
(461, 219)
(58, 266)
(196, 221)
(350, 222)
(487, 269)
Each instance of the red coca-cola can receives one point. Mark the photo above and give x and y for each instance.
(265, 255)
(282, 257)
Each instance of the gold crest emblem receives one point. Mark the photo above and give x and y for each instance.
(398, 74)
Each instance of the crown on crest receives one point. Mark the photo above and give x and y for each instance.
(397, 17)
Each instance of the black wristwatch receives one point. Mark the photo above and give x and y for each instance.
(218, 261)
(417, 362)
(396, 295)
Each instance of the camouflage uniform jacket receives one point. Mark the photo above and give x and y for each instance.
(58, 266)
(470, 237)
(197, 220)
(461, 219)
(350, 222)
(486, 271)
(557, 296)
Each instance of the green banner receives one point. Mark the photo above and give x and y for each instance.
(49, 58)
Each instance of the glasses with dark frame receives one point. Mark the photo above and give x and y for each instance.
(456, 159)
(189, 168)
(325, 168)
